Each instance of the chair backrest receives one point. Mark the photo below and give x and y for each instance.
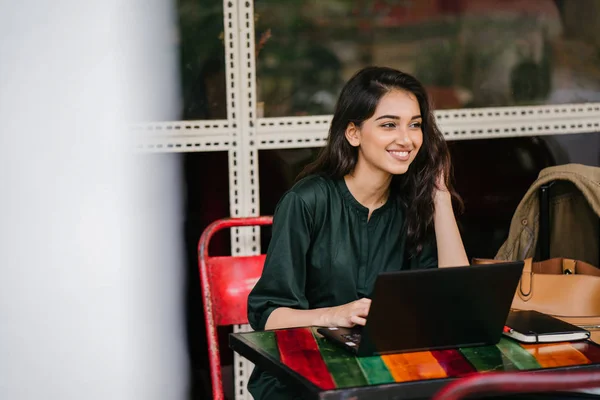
(519, 382)
(226, 283)
(231, 279)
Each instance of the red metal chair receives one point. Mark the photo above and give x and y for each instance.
(226, 283)
(519, 382)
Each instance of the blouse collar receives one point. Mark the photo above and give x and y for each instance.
(347, 195)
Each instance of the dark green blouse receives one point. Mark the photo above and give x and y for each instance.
(325, 252)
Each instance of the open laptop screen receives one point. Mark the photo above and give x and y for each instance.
(438, 308)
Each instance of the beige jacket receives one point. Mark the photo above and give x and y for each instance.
(574, 213)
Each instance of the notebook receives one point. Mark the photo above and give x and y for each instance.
(536, 327)
(435, 308)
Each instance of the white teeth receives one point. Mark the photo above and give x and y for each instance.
(400, 153)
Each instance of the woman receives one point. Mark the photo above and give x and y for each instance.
(378, 198)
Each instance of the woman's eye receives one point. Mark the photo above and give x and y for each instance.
(415, 125)
(389, 125)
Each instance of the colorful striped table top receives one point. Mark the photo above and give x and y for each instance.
(330, 367)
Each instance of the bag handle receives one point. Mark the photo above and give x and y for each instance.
(526, 283)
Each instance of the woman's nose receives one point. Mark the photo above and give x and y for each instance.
(403, 136)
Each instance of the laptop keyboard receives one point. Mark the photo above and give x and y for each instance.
(353, 337)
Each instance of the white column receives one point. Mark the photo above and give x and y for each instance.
(91, 299)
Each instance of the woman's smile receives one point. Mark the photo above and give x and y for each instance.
(400, 155)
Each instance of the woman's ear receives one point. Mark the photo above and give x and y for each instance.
(353, 134)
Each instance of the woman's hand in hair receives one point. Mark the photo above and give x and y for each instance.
(347, 315)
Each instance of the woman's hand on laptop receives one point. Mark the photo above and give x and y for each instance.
(347, 315)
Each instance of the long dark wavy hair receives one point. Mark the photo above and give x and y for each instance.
(415, 189)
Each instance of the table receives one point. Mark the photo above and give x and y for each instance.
(322, 370)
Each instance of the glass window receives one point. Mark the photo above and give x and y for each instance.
(468, 53)
(491, 175)
(202, 55)
(199, 210)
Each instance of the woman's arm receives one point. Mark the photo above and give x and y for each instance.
(278, 300)
(346, 315)
(450, 248)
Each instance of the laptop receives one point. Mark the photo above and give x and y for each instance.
(432, 309)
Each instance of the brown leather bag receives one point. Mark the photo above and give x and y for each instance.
(561, 287)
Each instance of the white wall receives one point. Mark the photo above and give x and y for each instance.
(91, 299)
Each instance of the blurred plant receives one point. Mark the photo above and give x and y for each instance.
(435, 62)
(201, 54)
(297, 72)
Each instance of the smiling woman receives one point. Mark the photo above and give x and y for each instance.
(394, 128)
(378, 198)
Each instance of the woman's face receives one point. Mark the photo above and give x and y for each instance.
(389, 141)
